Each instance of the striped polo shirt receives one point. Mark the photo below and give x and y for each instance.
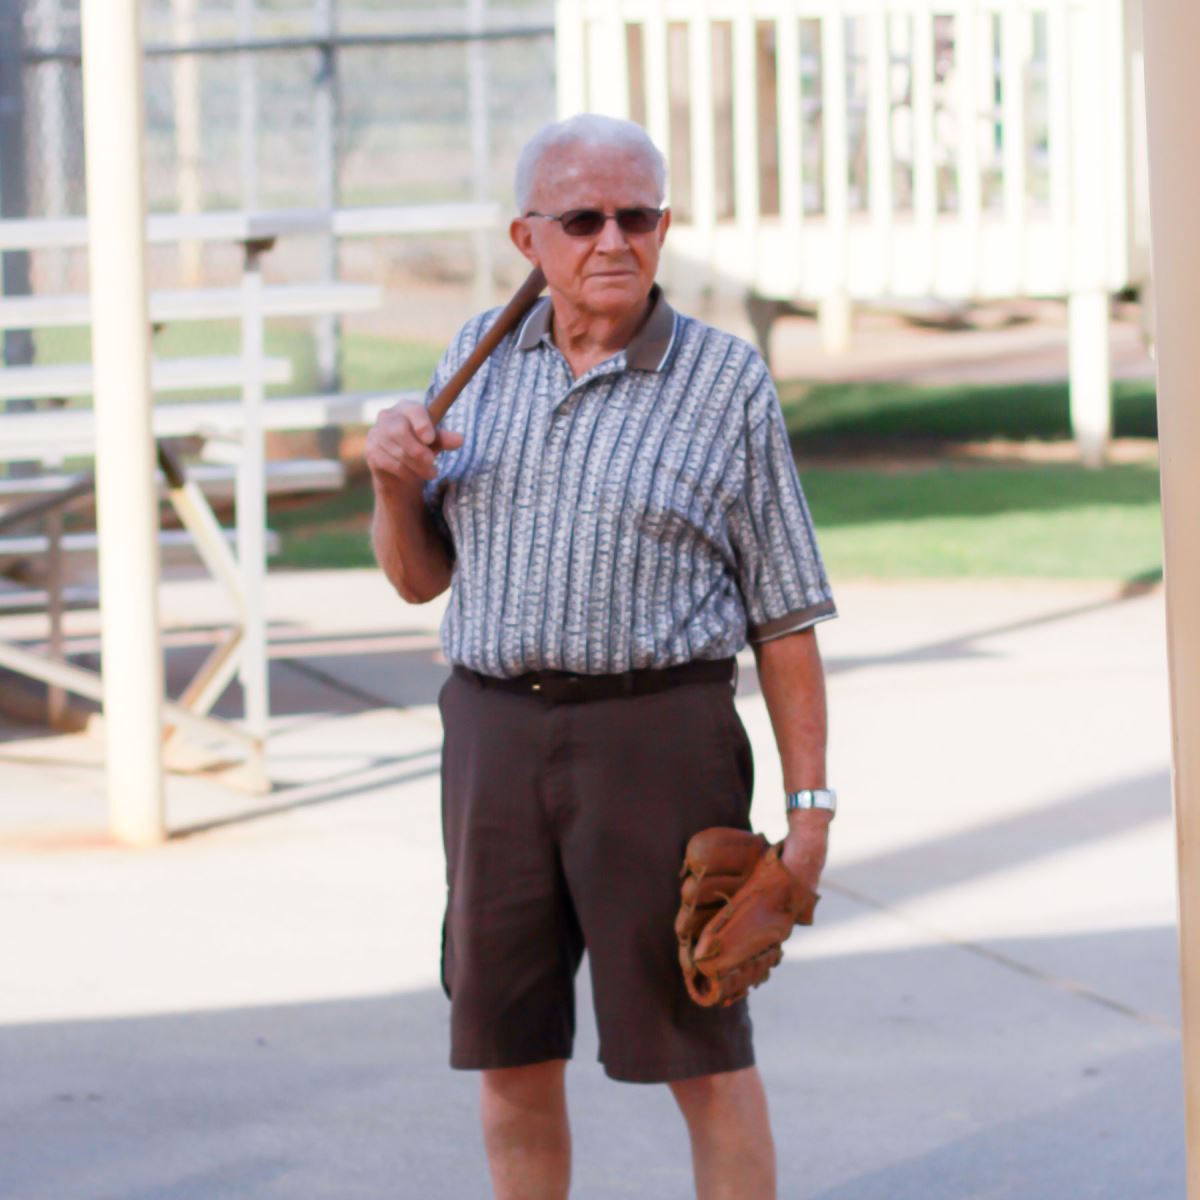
(644, 515)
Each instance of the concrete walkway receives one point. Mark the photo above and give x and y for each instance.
(987, 1007)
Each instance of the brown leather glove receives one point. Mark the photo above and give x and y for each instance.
(739, 904)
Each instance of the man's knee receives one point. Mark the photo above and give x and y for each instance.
(537, 1086)
(730, 1092)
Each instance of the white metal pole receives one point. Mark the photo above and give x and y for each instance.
(1172, 97)
(52, 113)
(252, 504)
(1090, 373)
(481, 161)
(1088, 188)
(248, 105)
(185, 86)
(325, 140)
(126, 491)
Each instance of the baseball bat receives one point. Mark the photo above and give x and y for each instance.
(523, 300)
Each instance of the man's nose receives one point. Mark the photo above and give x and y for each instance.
(611, 237)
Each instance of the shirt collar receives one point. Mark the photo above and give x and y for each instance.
(648, 349)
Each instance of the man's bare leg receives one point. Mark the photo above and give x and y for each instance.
(525, 1131)
(733, 1154)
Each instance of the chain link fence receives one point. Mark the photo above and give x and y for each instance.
(287, 104)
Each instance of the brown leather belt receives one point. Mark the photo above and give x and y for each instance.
(562, 687)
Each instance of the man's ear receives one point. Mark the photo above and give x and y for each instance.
(664, 224)
(522, 238)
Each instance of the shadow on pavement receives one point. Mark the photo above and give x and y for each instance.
(389, 772)
(999, 845)
(339, 673)
(911, 1075)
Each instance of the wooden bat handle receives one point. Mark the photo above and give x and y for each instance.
(522, 301)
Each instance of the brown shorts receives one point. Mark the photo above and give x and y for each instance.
(565, 826)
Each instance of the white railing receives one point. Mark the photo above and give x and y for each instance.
(833, 150)
(960, 149)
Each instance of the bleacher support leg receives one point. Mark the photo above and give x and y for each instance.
(835, 319)
(126, 488)
(1091, 377)
(252, 506)
(56, 696)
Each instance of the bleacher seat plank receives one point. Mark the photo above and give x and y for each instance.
(47, 382)
(235, 226)
(284, 477)
(72, 430)
(170, 541)
(195, 304)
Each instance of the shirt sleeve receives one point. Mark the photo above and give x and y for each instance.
(778, 565)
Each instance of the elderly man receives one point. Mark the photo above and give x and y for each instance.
(614, 506)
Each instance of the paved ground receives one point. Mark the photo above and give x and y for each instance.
(987, 1008)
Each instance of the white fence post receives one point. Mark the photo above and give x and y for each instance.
(126, 491)
(1014, 38)
(966, 43)
(1091, 386)
(924, 167)
(570, 57)
(703, 131)
(658, 101)
(746, 166)
(835, 314)
(1091, 381)
(791, 138)
(879, 142)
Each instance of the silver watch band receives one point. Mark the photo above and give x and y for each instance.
(823, 798)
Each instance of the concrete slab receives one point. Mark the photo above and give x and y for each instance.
(986, 1008)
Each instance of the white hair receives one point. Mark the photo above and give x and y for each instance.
(587, 130)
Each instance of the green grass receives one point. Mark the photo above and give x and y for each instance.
(1050, 522)
(943, 522)
(823, 415)
(330, 532)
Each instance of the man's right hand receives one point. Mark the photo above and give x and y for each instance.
(403, 442)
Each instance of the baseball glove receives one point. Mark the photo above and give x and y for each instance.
(739, 904)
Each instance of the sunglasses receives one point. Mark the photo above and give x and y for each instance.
(587, 222)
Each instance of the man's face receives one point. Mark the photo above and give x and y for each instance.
(610, 272)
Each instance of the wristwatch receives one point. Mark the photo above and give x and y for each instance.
(825, 798)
